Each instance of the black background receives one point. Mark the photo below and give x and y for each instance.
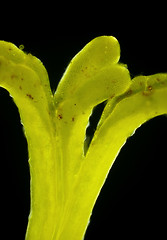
(132, 202)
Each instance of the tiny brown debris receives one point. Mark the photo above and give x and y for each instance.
(148, 91)
(112, 96)
(149, 88)
(85, 71)
(73, 119)
(30, 96)
(129, 92)
(20, 87)
(13, 76)
(160, 81)
(60, 116)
